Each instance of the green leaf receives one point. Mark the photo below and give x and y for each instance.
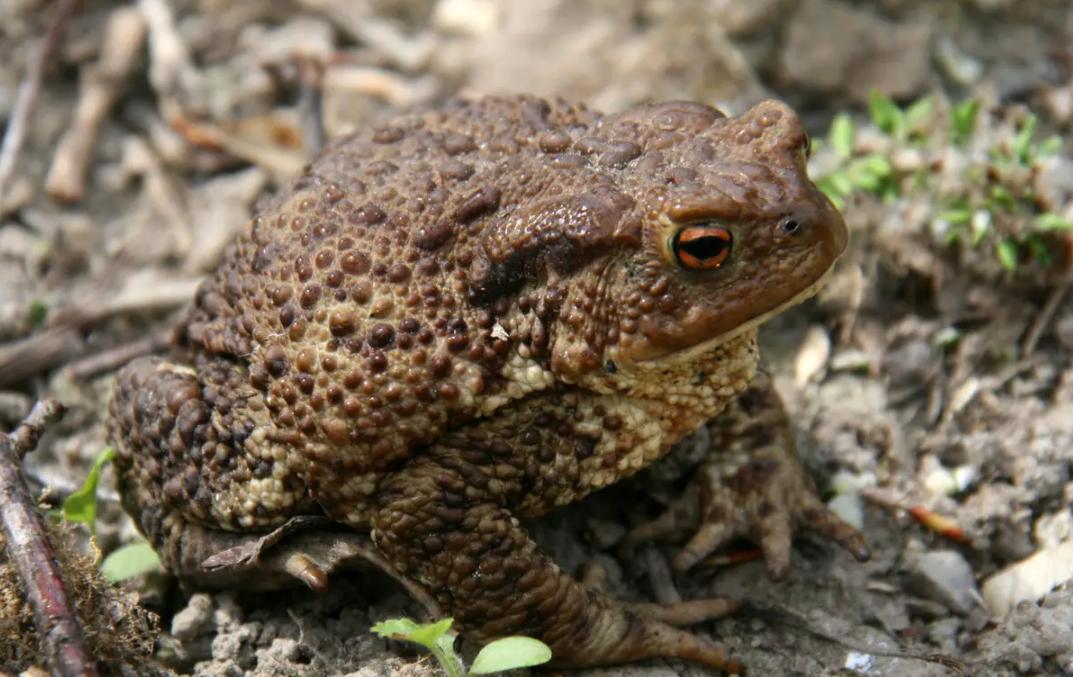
(426, 634)
(1049, 148)
(1007, 254)
(436, 637)
(840, 135)
(963, 120)
(395, 628)
(956, 216)
(81, 506)
(1052, 221)
(869, 173)
(1022, 143)
(445, 654)
(918, 111)
(129, 561)
(510, 653)
(840, 182)
(1040, 251)
(885, 113)
(37, 312)
(1002, 198)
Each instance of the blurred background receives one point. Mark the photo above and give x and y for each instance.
(932, 381)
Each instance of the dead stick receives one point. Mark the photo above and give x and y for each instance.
(311, 104)
(27, 95)
(35, 559)
(113, 358)
(1043, 318)
(102, 84)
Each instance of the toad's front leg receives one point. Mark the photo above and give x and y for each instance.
(447, 519)
(752, 486)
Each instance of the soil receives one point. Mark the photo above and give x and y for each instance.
(926, 379)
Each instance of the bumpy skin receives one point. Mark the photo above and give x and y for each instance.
(472, 314)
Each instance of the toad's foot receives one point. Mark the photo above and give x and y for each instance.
(444, 520)
(752, 487)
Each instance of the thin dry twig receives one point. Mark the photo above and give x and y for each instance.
(1044, 316)
(113, 358)
(343, 77)
(40, 352)
(27, 94)
(63, 341)
(33, 555)
(101, 86)
(279, 163)
(171, 70)
(311, 104)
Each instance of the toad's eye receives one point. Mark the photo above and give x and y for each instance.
(702, 247)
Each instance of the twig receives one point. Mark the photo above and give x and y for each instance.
(279, 163)
(34, 557)
(171, 71)
(101, 85)
(40, 352)
(343, 77)
(27, 94)
(310, 104)
(63, 342)
(792, 620)
(113, 358)
(1044, 316)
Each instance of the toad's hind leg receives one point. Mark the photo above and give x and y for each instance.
(753, 486)
(195, 466)
(448, 520)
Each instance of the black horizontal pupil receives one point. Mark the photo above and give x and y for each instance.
(704, 247)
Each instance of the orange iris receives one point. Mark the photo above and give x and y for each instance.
(702, 247)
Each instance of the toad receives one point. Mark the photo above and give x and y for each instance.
(482, 312)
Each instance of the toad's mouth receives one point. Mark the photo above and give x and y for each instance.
(693, 352)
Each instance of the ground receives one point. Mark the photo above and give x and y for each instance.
(928, 375)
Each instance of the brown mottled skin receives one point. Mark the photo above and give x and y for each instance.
(477, 313)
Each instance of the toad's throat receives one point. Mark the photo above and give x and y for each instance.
(693, 352)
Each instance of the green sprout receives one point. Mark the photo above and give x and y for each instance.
(130, 560)
(963, 120)
(870, 173)
(81, 507)
(37, 312)
(995, 205)
(507, 653)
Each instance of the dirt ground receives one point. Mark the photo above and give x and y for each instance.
(927, 376)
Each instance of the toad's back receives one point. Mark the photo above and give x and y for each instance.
(360, 313)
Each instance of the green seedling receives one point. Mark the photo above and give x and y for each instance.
(963, 120)
(1006, 251)
(995, 207)
(507, 653)
(81, 506)
(129, 561)
(37, 312)
(886, 115)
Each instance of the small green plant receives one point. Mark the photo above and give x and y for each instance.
(870, 173)
(129, 561)
(81, 506)
(507, 653)
(979, 179)
(37, 312)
